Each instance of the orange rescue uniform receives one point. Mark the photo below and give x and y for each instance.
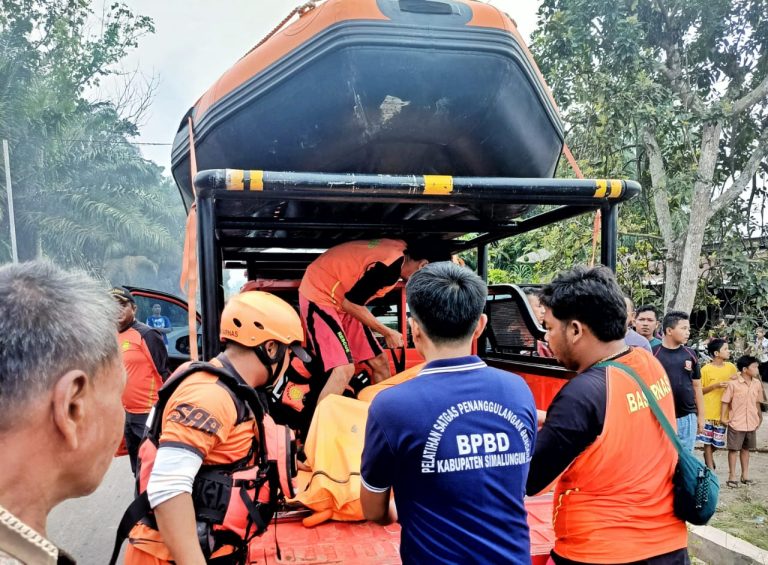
(329, 277)
(613, 504)
(143, 380)
(200, 416)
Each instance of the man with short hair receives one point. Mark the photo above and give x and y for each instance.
(741, 412)
(602, 443)
(60, 413)
(682, 366)
(632, 337)
(332, 297)
(206, 426)
(159, 322)
(145, 358)
(646, 323)
(454, 441)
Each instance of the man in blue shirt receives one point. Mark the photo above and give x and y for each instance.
(160, 323)
(455, 442)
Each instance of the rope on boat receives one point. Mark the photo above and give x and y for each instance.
(301, 10)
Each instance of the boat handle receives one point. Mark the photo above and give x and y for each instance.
(426, 7)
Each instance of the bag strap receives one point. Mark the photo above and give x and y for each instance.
(138, 510)
(655, 408)
(398, 360)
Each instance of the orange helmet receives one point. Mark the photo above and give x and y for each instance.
(253, 317)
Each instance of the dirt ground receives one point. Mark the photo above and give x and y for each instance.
(743, 511)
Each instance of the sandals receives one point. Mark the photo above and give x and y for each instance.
(732, 484)
(747, 482)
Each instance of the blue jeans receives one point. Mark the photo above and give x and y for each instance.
(686, 430)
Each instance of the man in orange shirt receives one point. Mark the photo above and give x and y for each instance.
(145, 358)
(610, 457)
(206, 427)
(334, 291)
(741, 412)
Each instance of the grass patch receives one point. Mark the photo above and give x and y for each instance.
(746, 517)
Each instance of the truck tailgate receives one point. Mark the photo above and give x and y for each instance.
(366, 543)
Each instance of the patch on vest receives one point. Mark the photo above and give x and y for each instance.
(194, 417)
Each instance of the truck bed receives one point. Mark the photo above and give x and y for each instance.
(366, 543)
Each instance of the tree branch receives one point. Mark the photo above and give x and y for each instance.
(673, 71)
(659, 181)
(751, 98)
(740, 184)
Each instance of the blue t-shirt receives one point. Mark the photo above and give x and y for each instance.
(455, 445)
(160, 322)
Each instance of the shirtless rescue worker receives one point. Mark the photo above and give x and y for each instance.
(260, 331)
(333, 294)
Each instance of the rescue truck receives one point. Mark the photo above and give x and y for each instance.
(366, 119)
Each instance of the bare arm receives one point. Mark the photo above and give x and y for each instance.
(176, 522)
(699, 396)
(376, 506)
(724, 406)
(394, 339)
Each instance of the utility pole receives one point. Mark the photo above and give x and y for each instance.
(11, 217)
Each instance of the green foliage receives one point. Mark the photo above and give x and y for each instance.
(83, 194)
(674, 68)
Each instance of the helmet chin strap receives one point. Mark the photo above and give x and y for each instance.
(267, 361)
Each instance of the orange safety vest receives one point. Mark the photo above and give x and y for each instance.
(329, 277)
(143, 381)
(613, 504)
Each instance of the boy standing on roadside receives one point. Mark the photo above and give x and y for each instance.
(682, 367)
(714, 381)
(741, 411)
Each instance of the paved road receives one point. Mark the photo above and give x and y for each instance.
(85, 527)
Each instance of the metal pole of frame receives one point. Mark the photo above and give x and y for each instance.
(482, 262)
(209, 265)
(9, 190)
(609, 233)
(482, 271)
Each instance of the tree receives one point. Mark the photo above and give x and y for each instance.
(84, 195)
(674, 90)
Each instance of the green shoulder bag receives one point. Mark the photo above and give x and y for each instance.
(696, 487)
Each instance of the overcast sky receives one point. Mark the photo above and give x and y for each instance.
(195, 41)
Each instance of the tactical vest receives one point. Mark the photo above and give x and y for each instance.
(233, 502)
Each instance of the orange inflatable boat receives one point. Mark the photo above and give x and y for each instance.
(379, 86)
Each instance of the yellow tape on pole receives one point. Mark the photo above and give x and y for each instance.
(602, 188)
(234, 179)
(438, 184)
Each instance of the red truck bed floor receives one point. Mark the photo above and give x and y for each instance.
(366, 543)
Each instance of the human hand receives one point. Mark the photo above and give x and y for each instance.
(700, 427)
(723, 384)
(393, 339)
